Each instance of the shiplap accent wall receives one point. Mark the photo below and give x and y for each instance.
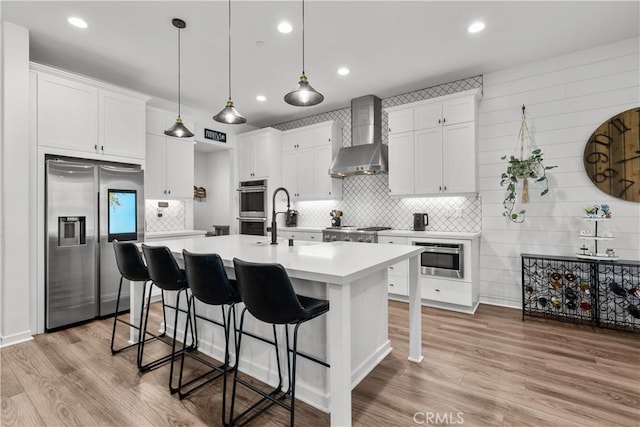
(566, 98)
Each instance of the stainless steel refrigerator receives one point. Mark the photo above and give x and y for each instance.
(88, 205)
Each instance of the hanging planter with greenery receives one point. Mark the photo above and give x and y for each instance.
(523, 169)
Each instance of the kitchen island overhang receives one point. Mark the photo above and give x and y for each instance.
(353, 277)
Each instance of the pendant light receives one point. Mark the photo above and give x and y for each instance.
(303, 95)
(178, 130)
(229, 114)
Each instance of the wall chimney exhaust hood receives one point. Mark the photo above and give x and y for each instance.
(367, 154)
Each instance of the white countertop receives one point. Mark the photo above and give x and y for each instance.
(337, 262)
(430, 234)
(173, 233)
(401, 233)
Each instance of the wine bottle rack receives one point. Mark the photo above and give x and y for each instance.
(596, 292)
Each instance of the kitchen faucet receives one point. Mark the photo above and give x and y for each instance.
(274, 226)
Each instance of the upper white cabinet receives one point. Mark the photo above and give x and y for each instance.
(84, 116)
(307, 154)
(259, 154)
(432, 146)
(169, 168)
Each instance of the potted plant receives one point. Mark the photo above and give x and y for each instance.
(522, 169)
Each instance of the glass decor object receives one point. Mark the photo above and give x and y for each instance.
(178, 130)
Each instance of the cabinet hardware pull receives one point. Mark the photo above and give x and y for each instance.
(439, 121)
(165, 191)
(169, 191)
(95, 147)
(440, 188)
(389, 129)
(445, 188)
(437, 290)
(102, 148)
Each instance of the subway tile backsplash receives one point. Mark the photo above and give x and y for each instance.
(173, 216)
(366, 200)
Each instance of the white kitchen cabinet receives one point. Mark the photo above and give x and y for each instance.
(67, 114)
(259, 154)
(397, 274)
(458, 294)
(438, 154)
(307, 154)
(121, 125)
(311, 236)
(169, 168)
(85, 116)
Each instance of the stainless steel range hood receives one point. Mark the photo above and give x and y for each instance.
(367, 154)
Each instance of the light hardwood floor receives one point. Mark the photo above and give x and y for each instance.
(490, 369)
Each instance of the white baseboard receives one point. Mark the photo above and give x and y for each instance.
(15, 339)
(370, 363)
(501, 302)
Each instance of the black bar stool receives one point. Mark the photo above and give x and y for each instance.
(269, 296)
(132, 267)
(209, 284)
(168, 276)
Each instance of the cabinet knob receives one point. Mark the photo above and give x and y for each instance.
(439, 121)
(391, 284)
(444, 120)
(440, 188)
(445, 188)
(389, 129)
(102, 148)
(390, 268)
(329, 192)
(95, 147)
(169, 191)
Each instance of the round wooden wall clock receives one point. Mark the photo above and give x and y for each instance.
(612, 156)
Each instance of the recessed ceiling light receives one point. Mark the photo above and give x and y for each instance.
(476, 27)
(285, 27)
(343, 71)
(261, 98)
(77, 22)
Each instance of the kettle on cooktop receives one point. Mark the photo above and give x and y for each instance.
(420, 221)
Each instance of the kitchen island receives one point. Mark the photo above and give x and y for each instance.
(352, 337)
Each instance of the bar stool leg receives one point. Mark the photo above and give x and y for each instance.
(143, 328)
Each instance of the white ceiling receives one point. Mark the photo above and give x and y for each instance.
(391, 47)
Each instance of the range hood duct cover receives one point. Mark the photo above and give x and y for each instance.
(367, 154)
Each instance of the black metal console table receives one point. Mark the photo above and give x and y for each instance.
(597, 292)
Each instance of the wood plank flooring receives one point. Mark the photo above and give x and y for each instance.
(490, 369)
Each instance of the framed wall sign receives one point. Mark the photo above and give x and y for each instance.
(214, 135)
(612, 156)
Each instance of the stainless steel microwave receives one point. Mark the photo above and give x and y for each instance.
(441, 259)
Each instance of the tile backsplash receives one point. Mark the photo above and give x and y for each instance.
(366, 200)
(173, 216)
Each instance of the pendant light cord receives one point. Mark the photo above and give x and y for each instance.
(229, 49)
(178, 71)
(302, 36)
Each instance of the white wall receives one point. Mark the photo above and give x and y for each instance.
(213, 171)
(566, 99)
(16, 237)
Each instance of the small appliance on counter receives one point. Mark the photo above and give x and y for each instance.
(335, 218)
(420, 221)
(218, 230)
(291, 218)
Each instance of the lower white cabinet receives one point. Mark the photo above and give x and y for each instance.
(398, 274)
(312, 236)
(169, 168)
(450, 291)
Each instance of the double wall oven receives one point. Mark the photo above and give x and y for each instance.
(253, 207)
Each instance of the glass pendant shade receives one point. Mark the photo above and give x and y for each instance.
(304, 95)
(230, 115)
(178, 130)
